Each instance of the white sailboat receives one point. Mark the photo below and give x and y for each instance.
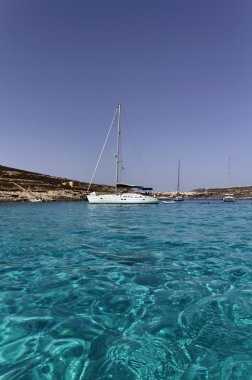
(229, 197)
(178, 197)
(119, 197)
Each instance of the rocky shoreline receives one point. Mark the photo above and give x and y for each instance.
(19, 185)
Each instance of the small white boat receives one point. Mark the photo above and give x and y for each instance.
(120, 196)
(178, 197)
(229, 198)
(35, 200)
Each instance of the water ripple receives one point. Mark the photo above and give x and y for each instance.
(125, 293)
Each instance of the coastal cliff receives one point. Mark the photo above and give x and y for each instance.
(21, 185)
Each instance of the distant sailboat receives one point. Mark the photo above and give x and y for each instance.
(178, 197)
(229, 197)
(120, 197)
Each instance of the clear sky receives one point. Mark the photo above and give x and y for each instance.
(182, 70)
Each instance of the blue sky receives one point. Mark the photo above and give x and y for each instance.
(182, 70)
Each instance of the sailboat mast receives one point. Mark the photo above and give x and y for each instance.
(229, 173)
(178, 185)
(118, 143)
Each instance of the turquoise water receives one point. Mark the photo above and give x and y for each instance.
(126, 292)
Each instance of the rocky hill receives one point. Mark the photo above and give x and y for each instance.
(21, 185)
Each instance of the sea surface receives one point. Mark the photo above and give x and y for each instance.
(147, 292)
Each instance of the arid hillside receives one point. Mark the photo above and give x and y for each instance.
(21, 185)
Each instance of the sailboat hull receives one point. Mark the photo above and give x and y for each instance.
(127, 198)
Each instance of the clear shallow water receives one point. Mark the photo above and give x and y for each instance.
(134, 293)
